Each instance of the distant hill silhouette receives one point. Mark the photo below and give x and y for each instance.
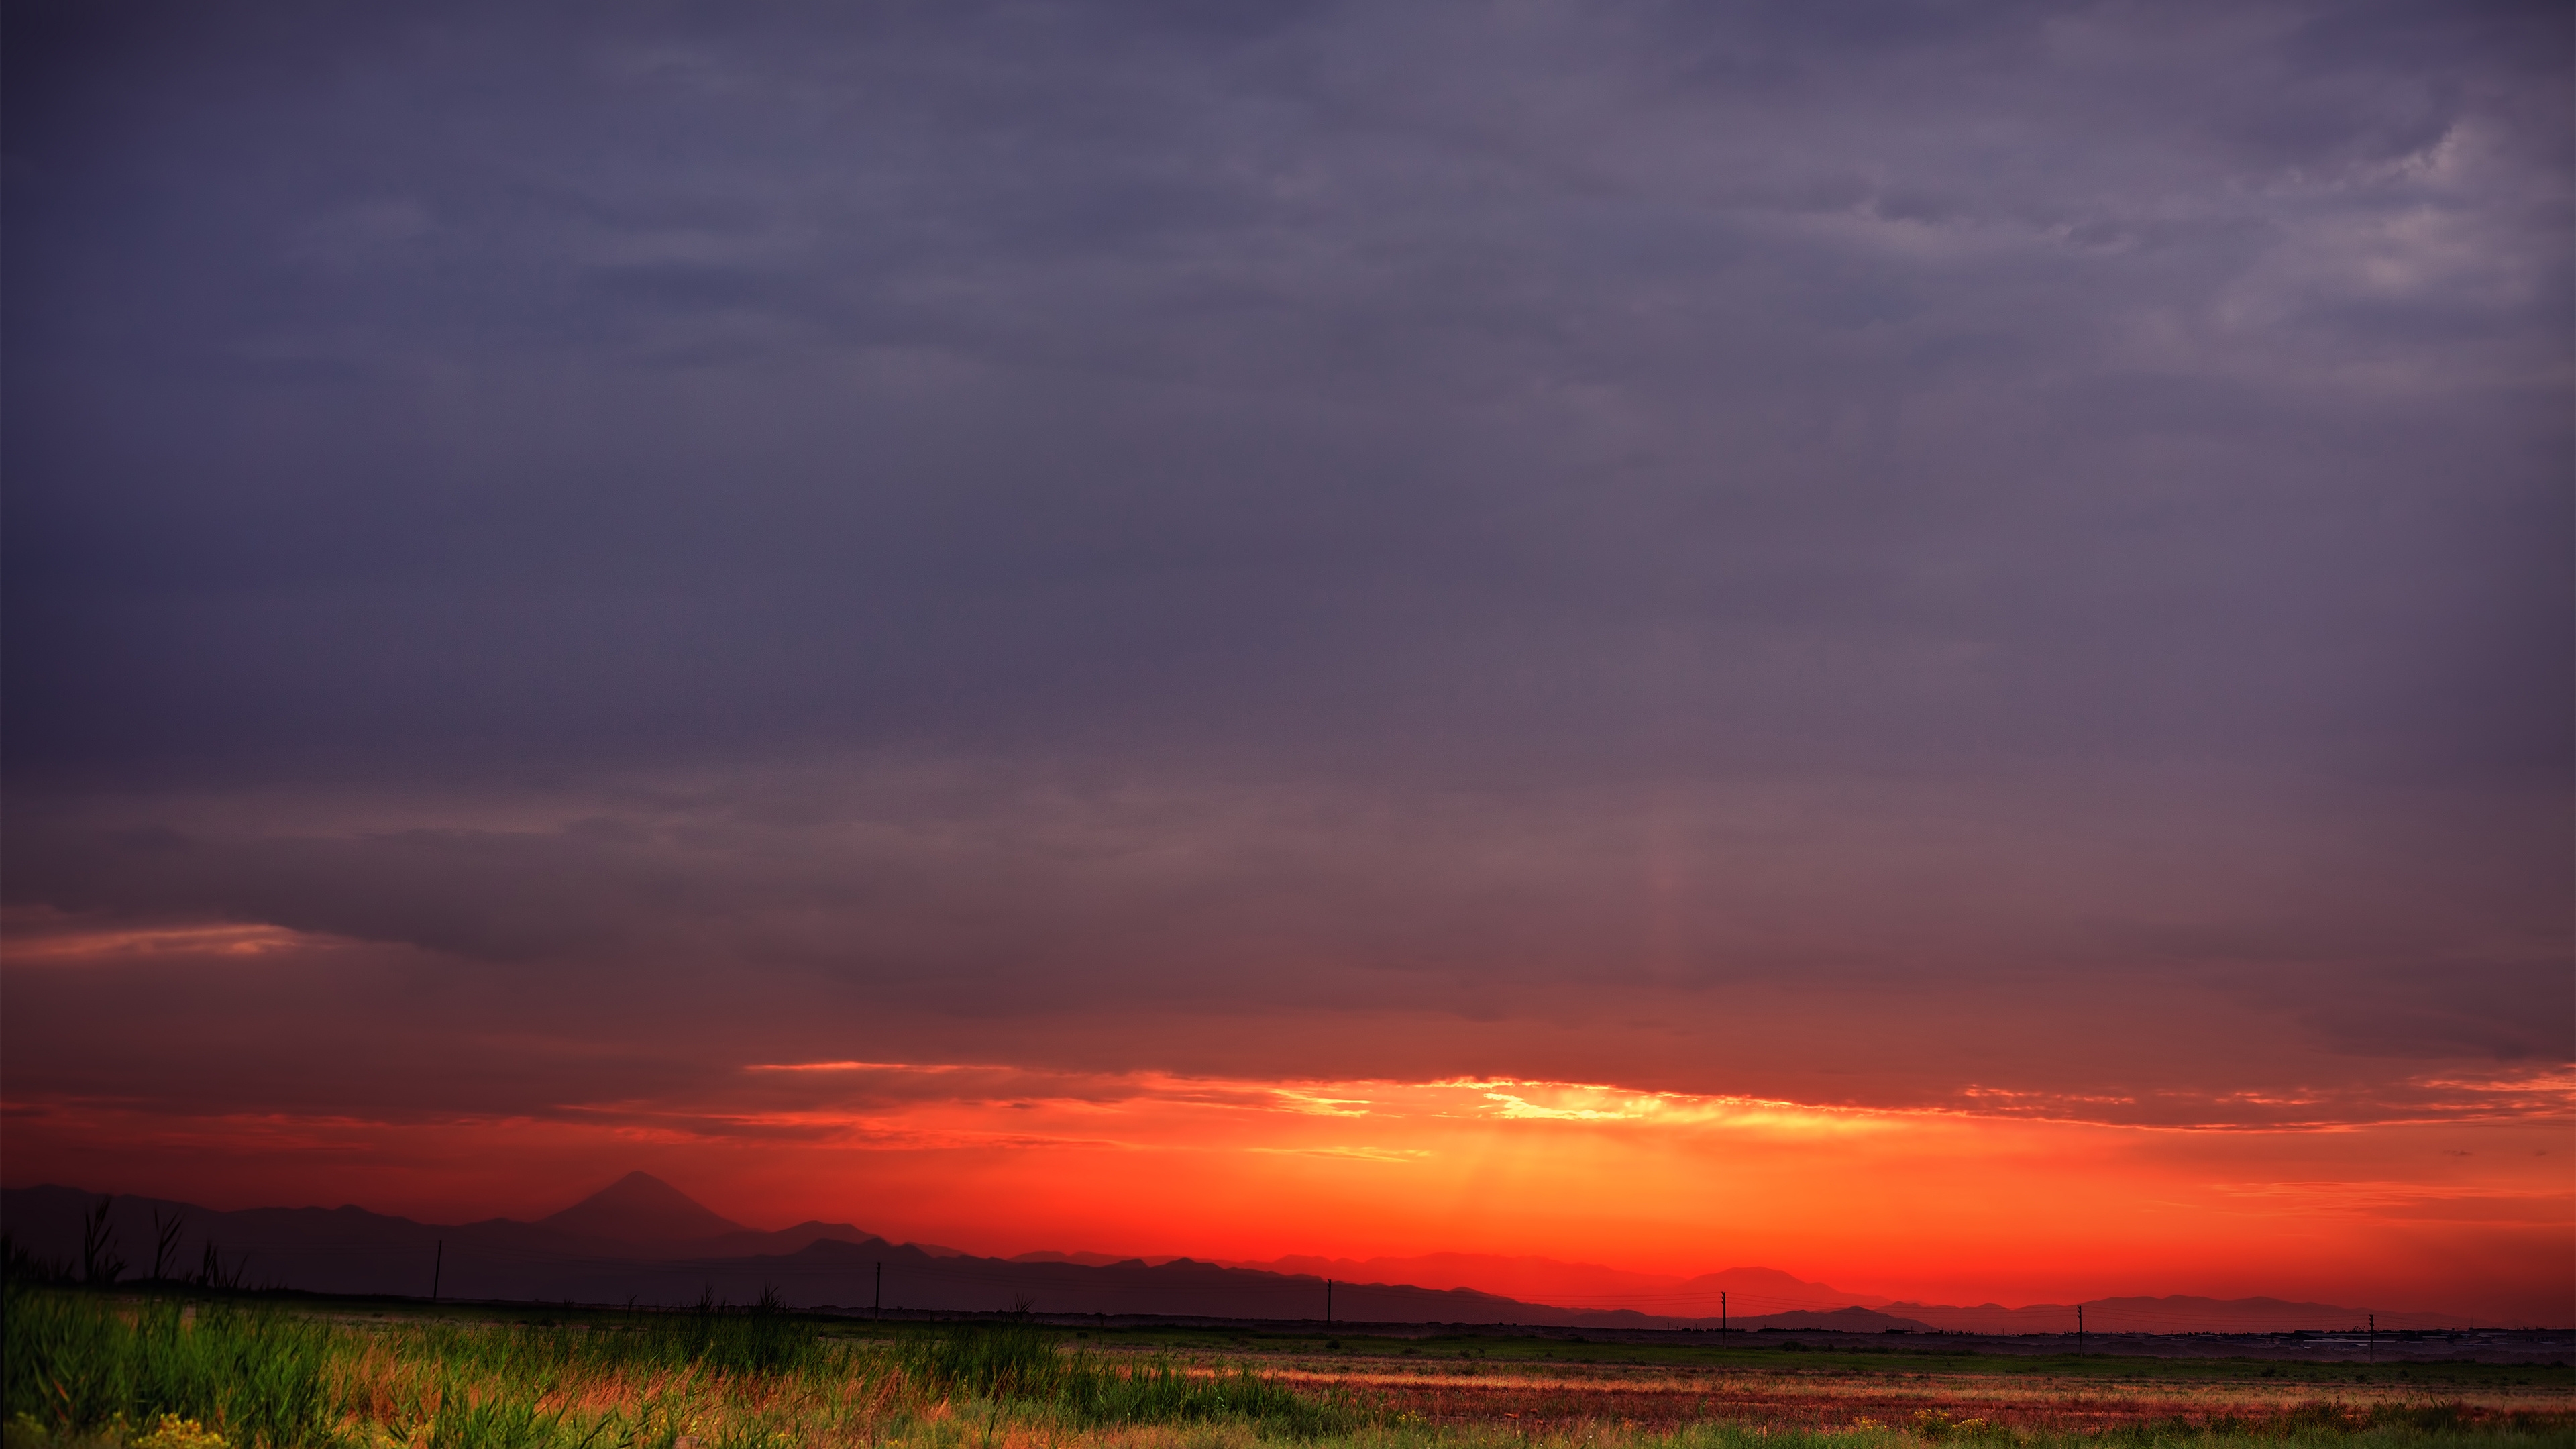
(641, 1240)
(2177, 1314)
(1749, 1292)
(640, 1208)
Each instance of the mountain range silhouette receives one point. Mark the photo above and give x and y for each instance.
(641, 1240)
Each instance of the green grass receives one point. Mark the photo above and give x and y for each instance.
(94, 1370)
(1025, 1364)
(83, 1365)
(74, 1365)
(761, 1339)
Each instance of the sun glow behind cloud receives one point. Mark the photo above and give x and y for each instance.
(1010, 1158)
(1941, 1203)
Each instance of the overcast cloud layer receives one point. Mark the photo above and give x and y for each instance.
(1974, 546)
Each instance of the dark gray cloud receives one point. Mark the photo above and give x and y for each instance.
(2132, 441)
(2024, 936)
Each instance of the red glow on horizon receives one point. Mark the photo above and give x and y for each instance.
(1933, 1206)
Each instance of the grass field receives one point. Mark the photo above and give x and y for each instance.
(165, 1371)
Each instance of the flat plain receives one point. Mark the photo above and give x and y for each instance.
(1823, 1385)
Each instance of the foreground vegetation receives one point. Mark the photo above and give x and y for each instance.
(88, 1370)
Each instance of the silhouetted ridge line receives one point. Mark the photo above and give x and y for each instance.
(350, 1250)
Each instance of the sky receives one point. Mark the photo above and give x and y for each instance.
(1920, 643)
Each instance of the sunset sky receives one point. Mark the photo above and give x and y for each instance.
(1926, 644)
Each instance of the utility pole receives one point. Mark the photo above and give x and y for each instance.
(2371, 1353)
(2079, 1330)
(437, 1269)
(1721, 1313)
(876, 1307)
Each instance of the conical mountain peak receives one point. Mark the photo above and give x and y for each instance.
(641, 1208)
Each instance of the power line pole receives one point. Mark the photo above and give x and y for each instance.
(2079, 1330)
(1721, 1313)
(2371, 1354)
(437, 1269)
